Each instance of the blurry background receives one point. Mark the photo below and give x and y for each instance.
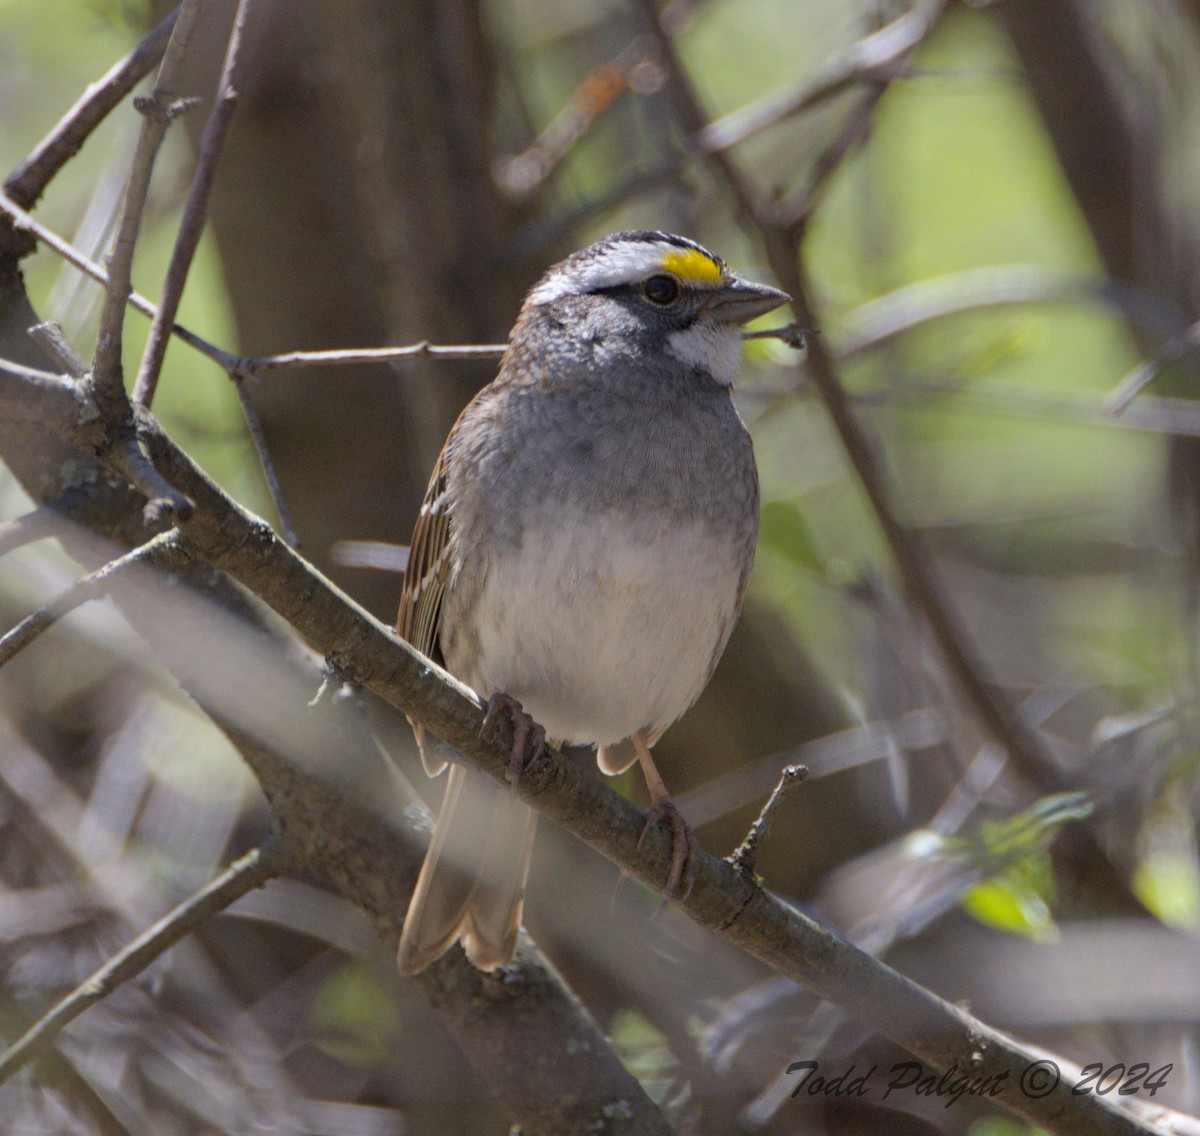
(1015, 229)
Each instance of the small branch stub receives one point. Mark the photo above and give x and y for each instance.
(745, 856)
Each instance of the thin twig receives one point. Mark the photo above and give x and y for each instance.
(1146, 372)
(881, 319)
(636, 68)
(157, 110)
(50, 338)
(878, 57)
(48, 379)
(36, 525)
(45, 521)
(798, 207)
(745, 856)
(29, 180)
(259, 439)
(424, 349)
(1177, 417)
(162, 550)
(244, 875)
(792, 334)
(195, 210)
(26, 222)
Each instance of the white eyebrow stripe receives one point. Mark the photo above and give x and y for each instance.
(624, 264)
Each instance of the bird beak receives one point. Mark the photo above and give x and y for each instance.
(740, 301)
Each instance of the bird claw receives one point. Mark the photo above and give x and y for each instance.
(685, 849)
(524, 728)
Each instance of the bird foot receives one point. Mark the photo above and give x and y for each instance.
(685, 849)
(524, 728)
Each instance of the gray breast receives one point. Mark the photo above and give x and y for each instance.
(602, 545)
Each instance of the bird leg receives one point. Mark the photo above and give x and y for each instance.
(523, 728)
(685, 861)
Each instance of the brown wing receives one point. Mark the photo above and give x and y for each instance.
(472, 882)
(424, 585)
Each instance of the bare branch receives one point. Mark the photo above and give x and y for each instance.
(879, 57)
(33, 376)
(745, 856)
(157, 110)
(254, 426)
(45, 521)
(50, 338)
(164, 503)
(1179, 417)
(41, 398)
(880, 320)
(794, 211)
(25, 222)
(29, 180)
(1147, 371)
(636, 68)
(244, 875)
(256, 367)
(423, 350)
(195, 211)
(162, 550)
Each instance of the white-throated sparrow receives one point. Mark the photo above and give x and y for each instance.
(582, 551)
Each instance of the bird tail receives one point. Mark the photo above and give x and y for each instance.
(472, 883)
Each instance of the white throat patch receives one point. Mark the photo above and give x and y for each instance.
(713, 347)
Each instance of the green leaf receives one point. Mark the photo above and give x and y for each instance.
(644, 1051)
(1003, 1126)
(354, 1019)
(1017, 900)
(1000, 843)
(1168, 883)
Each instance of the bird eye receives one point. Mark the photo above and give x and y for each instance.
(662, 290)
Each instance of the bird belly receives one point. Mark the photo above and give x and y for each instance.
(599, 628)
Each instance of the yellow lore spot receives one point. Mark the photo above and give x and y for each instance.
(693, 266)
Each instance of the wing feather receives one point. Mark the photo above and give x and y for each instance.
(419, 618)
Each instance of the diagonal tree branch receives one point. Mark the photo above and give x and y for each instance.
(162, 551)
(723, 900)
